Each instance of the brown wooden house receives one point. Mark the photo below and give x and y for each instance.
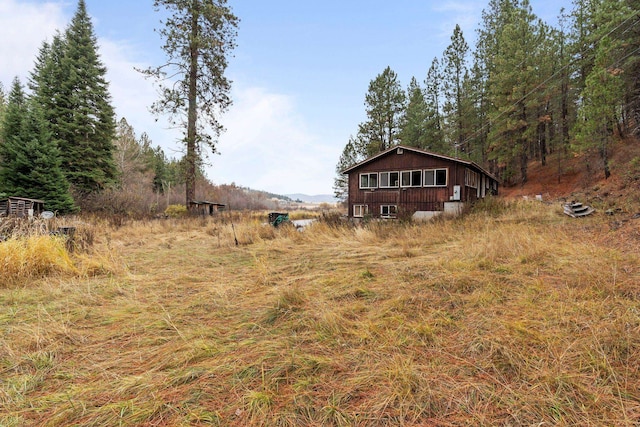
(21, 207)
(409, 181)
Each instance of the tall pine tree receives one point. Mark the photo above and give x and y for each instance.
(199, 35)
(603, 96)
(432, 95)
(10, 143)
(512, 80)
(31, 159)
(69, 81)
(385, 105)
(351, 154)
(3, 107)
(415, 121)
(455, 59)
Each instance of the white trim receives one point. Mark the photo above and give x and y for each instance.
(411, 174)
(471, 178)
(435, 177)
(361, 210)
(397, 182)
(392, 211)
(368, 175)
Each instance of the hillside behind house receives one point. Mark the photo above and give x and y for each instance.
(579, 177)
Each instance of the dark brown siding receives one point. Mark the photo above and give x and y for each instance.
(409, 199)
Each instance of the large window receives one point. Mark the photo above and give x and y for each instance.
(369, 180)
(411, 178)
(389, 211)
(389, 179)
(435, 177)
(360, 211)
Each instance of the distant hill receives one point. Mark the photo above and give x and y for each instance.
(319, 198)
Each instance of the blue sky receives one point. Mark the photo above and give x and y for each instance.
(301, 71)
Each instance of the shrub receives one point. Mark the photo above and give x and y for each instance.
(176, 211)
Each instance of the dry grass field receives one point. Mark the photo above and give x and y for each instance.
(512, 315)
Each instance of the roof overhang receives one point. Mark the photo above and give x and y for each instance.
(403, 148)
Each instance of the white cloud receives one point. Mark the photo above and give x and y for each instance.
(466, 13)
(268, 146)
(132, 94)
(23, 28)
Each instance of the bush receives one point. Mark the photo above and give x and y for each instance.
(176, 211)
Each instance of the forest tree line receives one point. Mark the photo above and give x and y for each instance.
(528, 90)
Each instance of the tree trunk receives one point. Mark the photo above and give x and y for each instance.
(192, 115)
(604, 154)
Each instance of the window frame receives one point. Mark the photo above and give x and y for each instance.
(389, 214)
(411, 175)
(364, 210)
(435, 177)
(368, 175)
(389, 180)
(471, 178)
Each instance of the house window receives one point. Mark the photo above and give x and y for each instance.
(369, 180)
(411, 178)
(470, 178)
(388, 211)
(435, 177)
(388, 179)
(360, 211)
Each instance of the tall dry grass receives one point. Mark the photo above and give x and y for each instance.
(32, 250)
(32, 258)
(512, 315)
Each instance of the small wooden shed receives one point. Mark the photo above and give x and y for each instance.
(21, 207)
(204, 207)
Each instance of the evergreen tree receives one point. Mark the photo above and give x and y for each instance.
(11, 130)
(630, 34)
(46, 89)
(31, 166)
(564, 98)
(455, 58)
(351, 154)
(415, 121)
(473, 119)
(159, 164)
(582, 39)
(512, 81)
(433, 89)
(3, 107)
(618, 21)
(604, 92)
(38, 171)
(199, 35)
(69, 81)
(385, 105)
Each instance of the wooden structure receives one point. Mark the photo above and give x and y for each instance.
(204, 208)
(21, 207)
(409, 181)
(577, 210)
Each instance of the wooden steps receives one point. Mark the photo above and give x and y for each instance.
(577, 210)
